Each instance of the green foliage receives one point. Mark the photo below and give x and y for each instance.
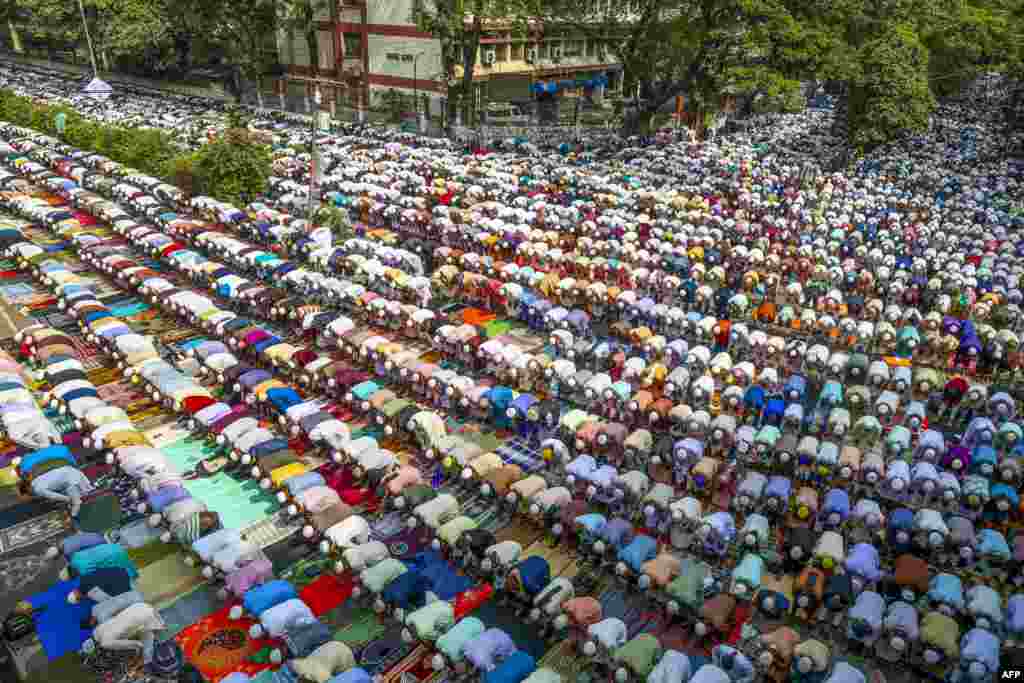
(301, 17)
(336, 219)
(233, 168)
(458, 26)
(703, 50)
(893, 93)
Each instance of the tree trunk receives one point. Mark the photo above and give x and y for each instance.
(313, 45)
(259, 92)
(469, 50)
(16, 43)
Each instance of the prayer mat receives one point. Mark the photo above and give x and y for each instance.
(58, 623)
(381, 654)
(188, 609)
(28, 659)
(560, 562)
(24, 568)
(290, 554)
(218, 645)
(306, 571)
(565, 659)
(327, 592)
(164, 580)
(100, 514)
(22, 512)
(355, 626)
(520, 532)
(415, 666)
(152, 553)
(505, 617)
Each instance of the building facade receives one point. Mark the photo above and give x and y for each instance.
(370, 50)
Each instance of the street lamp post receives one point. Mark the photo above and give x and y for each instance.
(318, 98)
(416, 89)
(88, 38)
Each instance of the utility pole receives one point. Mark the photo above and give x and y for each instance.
(88, 38)
(416, 90)
(314, 169)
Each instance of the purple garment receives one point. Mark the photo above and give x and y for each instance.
(210, 414)
(491, 646)
(618, 533)
(778, 487)
(167, 496)
(1015, 615)
(17, 407)
(863, 561)
(256, 572)
(583, 466)
(253, 377)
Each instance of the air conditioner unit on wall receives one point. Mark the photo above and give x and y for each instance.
(490, 57)
(531, 55)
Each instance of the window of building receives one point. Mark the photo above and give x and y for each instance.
(353, 44)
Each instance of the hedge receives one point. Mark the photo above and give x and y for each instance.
(234, 168)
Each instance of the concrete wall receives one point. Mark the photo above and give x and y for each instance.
(389, 12)
(392, 56)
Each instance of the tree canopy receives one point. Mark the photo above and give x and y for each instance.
(889, 59)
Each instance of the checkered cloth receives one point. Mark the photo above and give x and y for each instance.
(522, 453)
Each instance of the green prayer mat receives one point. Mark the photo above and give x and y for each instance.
(496, 328)
(239, 503)
(360, 627)
(151, 552)
(100, 514)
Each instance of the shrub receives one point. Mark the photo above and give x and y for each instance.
(234, 168)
